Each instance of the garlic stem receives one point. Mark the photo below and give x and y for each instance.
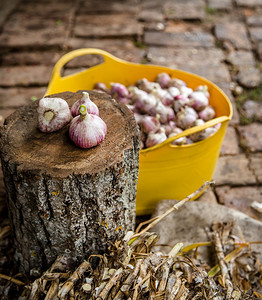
(49, 115)
(83, 110)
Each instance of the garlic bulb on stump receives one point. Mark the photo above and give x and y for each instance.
(53, 114)
(87, 130)
(90, 106)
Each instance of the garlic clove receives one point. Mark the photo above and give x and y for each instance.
(89, 104)
(53, 114)
(87, 130)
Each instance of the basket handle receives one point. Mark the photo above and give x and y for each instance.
(79, 52)
(189, 131)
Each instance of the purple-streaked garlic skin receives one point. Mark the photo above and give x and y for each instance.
(173, 91)
(165, 113)
(147, 86)
(118, 90)
(207, 113)
(155, 138)
(203, 134)
(179, 141)
(186, 91)
(53, 114)
(100, 86)
(199, 100)
(186, 117)
(175, 82)
(203, 89)
(89, 104)
(163, 79)
(168, 127)
(150, 124)
(87, 130)
(179, 102)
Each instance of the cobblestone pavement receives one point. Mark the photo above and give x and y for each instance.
(220, 40)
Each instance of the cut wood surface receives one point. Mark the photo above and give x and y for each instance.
(63, 199)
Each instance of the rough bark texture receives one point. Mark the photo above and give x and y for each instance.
(63, 199)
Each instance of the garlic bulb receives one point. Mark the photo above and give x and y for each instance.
(147, 86)
(163, 79)
(118, 90)
(186, 117)
(203, 89)
(85, 100)
(155, 138)
(179, 102)
(87, 130)
(100, 86)
(53, 114)
(150, 124)
(207, 113)
(180, 141)
(199, 100)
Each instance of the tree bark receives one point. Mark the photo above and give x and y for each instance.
(63, 199)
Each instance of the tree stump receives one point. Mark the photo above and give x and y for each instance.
(63, 199)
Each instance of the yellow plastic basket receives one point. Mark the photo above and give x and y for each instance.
(165, 171)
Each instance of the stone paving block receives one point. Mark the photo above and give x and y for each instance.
(241, 58)
(42, 38)
(102, 26)
(16, 97)
(226, 89)
(59, 10)
(249, 3)
(256, 34)
(30, 58)
(204, 62)
(253, 110)
(241, 198)
(6, 7)
(196, 39)
(25, 75)
(154, 26)
(208, 196)
(251, 137)
(32, 31)
(4, 113)
(120, 48)
(254, 20)
(109, 7)
(233, 170)
(149, 15)
(230, 144)
(220, 5)
(249, 77)
(234, 33)
(256, 165)
(184, 10)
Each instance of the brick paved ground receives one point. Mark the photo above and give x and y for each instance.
(220, 40)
